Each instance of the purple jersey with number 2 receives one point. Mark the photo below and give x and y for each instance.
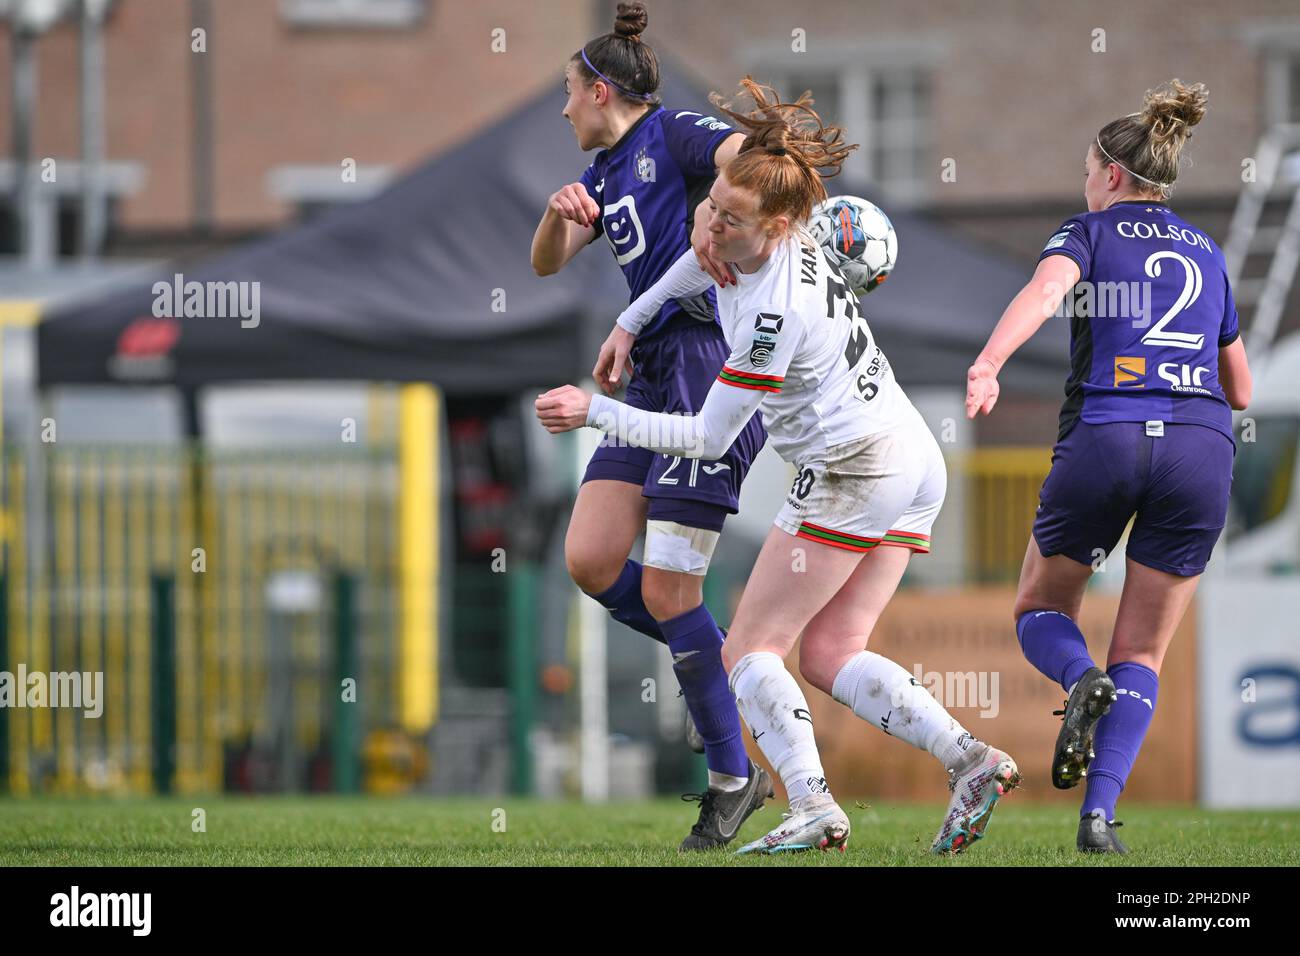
(1151, 311)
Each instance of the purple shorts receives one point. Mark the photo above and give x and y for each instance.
(674, 371)
(1102, 475)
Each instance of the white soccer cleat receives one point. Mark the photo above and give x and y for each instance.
(976, 785)
(822, 825)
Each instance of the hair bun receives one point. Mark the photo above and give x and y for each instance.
(631, 21)
(1173, 109)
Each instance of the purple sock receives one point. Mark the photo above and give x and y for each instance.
(1119, 735)
(696, 644)
(1054, 644)
(624, 602)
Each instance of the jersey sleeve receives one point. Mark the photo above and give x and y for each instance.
(1072, 240)
(589, 180)
(1229, 331)
(764, 345)
(684, 279)
(707, 434)
(692, 139)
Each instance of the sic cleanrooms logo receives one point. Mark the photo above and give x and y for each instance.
(102, 909)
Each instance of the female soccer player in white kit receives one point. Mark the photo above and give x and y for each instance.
(870, 482)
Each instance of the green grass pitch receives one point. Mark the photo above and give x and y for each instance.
(355, 831)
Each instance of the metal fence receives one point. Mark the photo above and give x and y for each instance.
(256, 550)
(1002, 495)
(225, 597)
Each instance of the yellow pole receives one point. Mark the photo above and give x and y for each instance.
(66, 465)
(235, 554)
(19, 618)
(92, 745)
(115, 580)
(13, 517)
(214, 703)
(418, 555)
(188, 703)
(263, 476)
(138, 566)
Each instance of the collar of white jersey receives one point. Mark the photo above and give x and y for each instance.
(778, 254)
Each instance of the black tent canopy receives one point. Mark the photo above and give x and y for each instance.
(430, 280)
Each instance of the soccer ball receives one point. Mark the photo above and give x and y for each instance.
(859, 239)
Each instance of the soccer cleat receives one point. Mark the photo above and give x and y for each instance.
(976, 784)
(822, 824)
(1088, 703)
(1097, 834)
(722, 813)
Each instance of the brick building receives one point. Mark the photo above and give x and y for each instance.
(1004, 95)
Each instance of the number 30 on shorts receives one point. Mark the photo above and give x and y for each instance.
(803, 483)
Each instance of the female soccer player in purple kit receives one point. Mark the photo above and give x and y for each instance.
(640, 192)
(1146, 430)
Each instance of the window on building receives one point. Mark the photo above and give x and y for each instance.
(887, 111)
(353, 13)
(313, 189)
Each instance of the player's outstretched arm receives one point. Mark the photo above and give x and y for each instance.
(683, 279)
(1031, 307)
(708, 435)
(566, 226)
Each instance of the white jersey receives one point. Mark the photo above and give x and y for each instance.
(796, 332)
(800, 349)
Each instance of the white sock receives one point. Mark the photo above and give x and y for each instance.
(725, 782)
(768, 699)
(882, 693)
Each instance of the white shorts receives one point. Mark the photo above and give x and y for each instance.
(885, 489)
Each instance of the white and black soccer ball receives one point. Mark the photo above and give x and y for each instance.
(859, 238)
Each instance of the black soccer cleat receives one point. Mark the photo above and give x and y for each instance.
(1097, 834)
(1088, 703)
(723, 814)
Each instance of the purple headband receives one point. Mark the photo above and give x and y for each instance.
(621, 89)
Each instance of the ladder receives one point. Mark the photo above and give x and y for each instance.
(1261, 291)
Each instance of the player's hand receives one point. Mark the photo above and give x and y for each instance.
(613, 360)
(981, 388)
(719, 270)
(572, 202)
(563, 409)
